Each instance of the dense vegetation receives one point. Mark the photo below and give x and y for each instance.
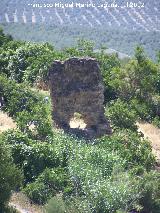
(66, 36)
(110, 174)
(117, 28)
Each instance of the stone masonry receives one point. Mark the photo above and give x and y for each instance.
(76, 86)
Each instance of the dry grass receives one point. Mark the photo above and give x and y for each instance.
(23, 204)
(6, 122)
(153, 134)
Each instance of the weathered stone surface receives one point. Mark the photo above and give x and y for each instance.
(76, 86)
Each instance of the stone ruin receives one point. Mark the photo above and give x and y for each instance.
(76, 87)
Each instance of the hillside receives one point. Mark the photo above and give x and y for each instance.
(92, 13)
(46, 158)
(119, 26)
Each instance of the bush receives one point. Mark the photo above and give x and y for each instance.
(10, 176)
(32, 156)
(143, 109)
(38, 192)
(27, 107)
(58, 205)
(101, 183)
(134, 150)
(8, 209)
(27, 61)
(4, 38)
(119, 192)
(150, 185)
(156, 121)
(47, 185)
(57, 179)
(138, 79)
(55, 205)
(121, 115)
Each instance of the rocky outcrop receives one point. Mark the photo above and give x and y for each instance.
(76, 86)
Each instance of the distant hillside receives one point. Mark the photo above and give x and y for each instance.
(119, 26)
(137, 16)
(66, 36)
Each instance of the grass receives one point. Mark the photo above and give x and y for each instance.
(153, 134)
(23, 204)
(6, 122)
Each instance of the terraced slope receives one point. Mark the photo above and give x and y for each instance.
(92, 13)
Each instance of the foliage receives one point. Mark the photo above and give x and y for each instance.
(92, 168)
(137, 79)
(39, 62)
(121, 115)
(55, 205)
(10, 176)
(151, 192)
(32, 156)
(145, 111)
(38, 192)
(47, 185)
(8, 209)
(156, 121)
(108, 174)
(58, 205)
(4, 38)
(120, 191)
(23, 61)
(130, 147)
(27, 107)
(119, 39)
(142, 193)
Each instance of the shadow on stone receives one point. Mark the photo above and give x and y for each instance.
(76, 86)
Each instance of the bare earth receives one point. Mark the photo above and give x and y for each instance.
(153, 134)
(23, 205)
(6, 122)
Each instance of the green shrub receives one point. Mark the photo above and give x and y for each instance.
(56, 179)
(50, 182)
(55, 205)
(27, 61)
(10, 176)
(119, 192)
(150, 186)
(58, 205)
(130, 147)
(156, 121)
(8, 209)
(98, 172)
(143, 109)
(38, 192)
(27, 107)
(121, 115)
(32, 156)
(4, 38)
(137, 79)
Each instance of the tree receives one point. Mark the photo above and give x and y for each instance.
(4, 38)
(10, 176)
(138, 79)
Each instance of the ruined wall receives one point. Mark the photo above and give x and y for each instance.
(76, 86)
